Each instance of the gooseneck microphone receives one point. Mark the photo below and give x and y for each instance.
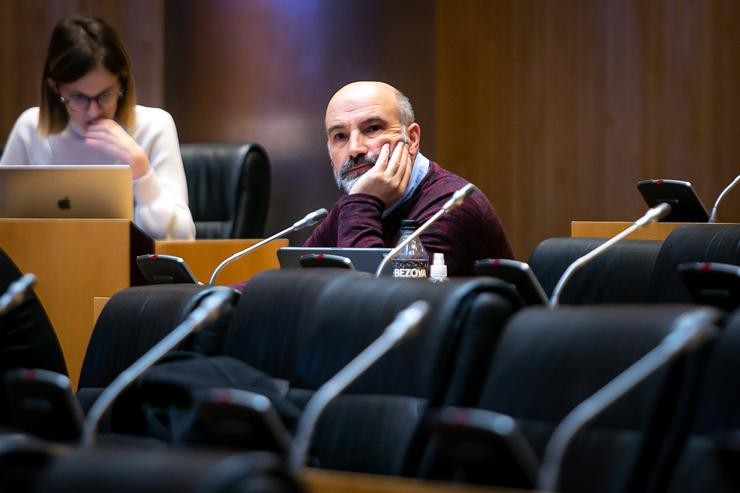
(713, 215)
(690, 331)
(311, 219)
(656, 213)
(402, 326)
(457, 198)
(209, 309)
(16, 293)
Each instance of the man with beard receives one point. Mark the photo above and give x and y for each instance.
(373, 144)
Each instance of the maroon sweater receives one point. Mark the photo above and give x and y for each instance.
(470, 232)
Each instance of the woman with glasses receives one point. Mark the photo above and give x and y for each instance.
(88, 115)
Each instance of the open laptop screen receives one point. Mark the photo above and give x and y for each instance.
(363, 259)
(66, 191)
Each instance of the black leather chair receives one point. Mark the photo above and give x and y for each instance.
(694, 243)
(634, 271)
(549, 361)
(621, 275)
(131, 470)
(299, 327)
(27, 338)
(228, 188)
(710, 461)
(132, 322)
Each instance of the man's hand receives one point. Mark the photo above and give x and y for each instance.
(109, 136)
(389, 178)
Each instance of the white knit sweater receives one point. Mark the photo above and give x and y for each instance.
(160, 196)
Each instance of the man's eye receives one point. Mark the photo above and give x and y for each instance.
(339, 137)
(373, 129)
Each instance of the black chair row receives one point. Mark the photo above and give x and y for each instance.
(299, 328)
(292, 330)
(634, 271)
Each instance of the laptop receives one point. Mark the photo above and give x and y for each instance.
(66, 191)
(363, 259)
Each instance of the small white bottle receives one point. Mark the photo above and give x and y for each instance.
(438, 269)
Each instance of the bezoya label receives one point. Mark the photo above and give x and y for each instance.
(410, 268)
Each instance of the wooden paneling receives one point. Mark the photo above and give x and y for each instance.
(557, 109)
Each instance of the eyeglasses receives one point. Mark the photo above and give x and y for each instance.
(81, 102)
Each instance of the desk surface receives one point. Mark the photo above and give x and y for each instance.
(203, 256)
(607, 229)
(323, 481)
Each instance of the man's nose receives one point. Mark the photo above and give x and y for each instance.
(357, 145)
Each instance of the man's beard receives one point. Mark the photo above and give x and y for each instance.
(346, 177)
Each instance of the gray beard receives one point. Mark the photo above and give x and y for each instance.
(346, 180)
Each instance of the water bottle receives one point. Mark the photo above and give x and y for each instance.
(412, 261)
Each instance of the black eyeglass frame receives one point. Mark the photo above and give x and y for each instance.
(89, 99)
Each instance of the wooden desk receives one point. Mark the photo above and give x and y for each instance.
(607, 229)
(323, 481)
(74, 260)
(203, 256)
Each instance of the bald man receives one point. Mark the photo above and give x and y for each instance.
(373, 144)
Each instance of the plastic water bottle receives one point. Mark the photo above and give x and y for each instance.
(412, 261)
(438, 269)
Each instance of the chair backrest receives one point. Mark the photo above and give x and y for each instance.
(272, 322)
(133, 321)
(374, 426)
(694, 243)
(621, 275)
(129, 470)
(228, 188)
(549, 361)
(441, 362)
(701, 466)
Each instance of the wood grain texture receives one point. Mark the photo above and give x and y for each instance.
(557, 109)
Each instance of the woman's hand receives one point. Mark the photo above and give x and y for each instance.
(109, 136)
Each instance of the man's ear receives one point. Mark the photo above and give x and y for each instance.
(414, 133)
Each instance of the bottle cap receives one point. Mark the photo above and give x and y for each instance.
(409, 224)
(438, 268)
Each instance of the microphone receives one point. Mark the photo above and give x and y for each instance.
(713, 215)
(16, 293)
(402, 326)
(309, 220)
(690, 331)
(209, 309)
(457, 198)
(656, 213)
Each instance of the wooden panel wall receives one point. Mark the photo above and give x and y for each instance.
(557, 108)
(554, 108)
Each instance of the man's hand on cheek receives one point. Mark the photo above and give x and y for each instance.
(389, 178)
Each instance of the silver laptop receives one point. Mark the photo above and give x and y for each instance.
(363, 259)
(66, 191)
